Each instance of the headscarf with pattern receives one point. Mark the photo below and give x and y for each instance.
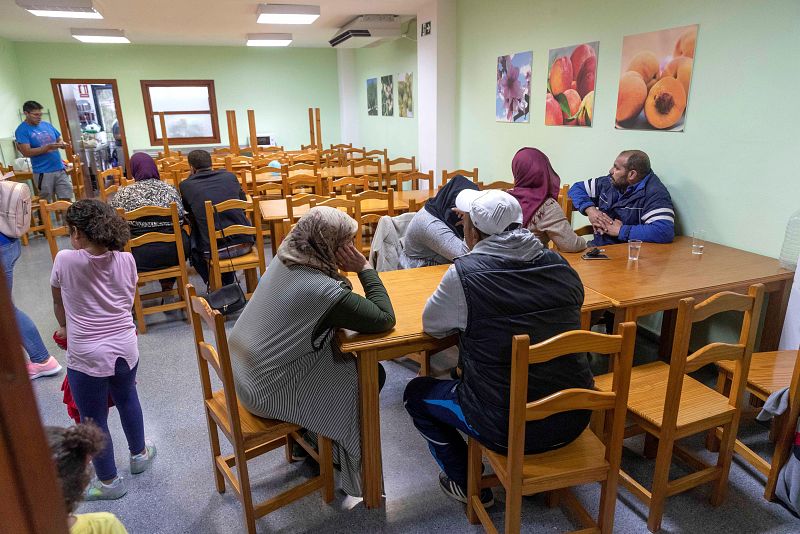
(315, 239)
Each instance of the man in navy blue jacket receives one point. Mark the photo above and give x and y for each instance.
(629, 203)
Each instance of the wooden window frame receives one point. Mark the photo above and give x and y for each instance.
(151, 116)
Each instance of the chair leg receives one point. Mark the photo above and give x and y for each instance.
(474, 461)
(553, 498)
(513, 506)
(326, 467)
(287, 449)
(246, 495)
(608, 504)
(213, 436)
(723, 384)
(720, 487)
(139, 311)
(660, 482)
(424, 363)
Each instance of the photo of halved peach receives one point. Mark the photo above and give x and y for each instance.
(631, 96)
(680, 68)
(665, 103)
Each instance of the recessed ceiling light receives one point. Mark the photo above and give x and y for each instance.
(286, 14)
(65, 9)
(269, 39)
(99, 36)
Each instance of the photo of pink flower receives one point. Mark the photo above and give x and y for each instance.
(512, 102)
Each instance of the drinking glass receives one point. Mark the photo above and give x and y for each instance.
(698, 241)
(634, 247)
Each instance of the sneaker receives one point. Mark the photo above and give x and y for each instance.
(49, 367)
(454, 490)
(97, 491)
(141, 462)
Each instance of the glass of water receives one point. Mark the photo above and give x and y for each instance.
(698, 241)
(634, 247)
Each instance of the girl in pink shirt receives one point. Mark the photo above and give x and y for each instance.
(93, 290)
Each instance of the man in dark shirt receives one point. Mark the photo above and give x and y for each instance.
(216, 186)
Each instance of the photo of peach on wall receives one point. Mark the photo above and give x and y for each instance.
(656, 71)
(570, 85)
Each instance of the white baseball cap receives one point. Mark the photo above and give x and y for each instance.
(491, 211)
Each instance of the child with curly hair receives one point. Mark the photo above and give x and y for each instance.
(93, 289)
(72, 449)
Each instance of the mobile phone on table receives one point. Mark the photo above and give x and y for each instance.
(595, 254)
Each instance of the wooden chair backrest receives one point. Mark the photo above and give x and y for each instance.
(365, 219)
(217, 357)
(249, 207)
(741, 352)
(348, 184)
(341, 146)
(414, 178)
(401, 161)
(106, 191)
(495, 185)
(261, 167)
(353, 153)
(378, 155)
(299, 168)
(472, 175)
(302, 180)
(51, 232)
(293, 201)
(156, 237)
(343, 203)
(619, 347)
(272, 152)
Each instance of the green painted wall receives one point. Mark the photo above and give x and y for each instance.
(397, 134)
(10, 100)
(279, 85)
(733, 170)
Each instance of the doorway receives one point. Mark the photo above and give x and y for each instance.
(90, 116)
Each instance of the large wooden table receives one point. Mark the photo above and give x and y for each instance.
(665, 274)
(409, 291)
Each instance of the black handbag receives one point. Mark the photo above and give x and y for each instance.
(230, 297)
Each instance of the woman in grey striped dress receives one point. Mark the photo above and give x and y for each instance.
(286, 363)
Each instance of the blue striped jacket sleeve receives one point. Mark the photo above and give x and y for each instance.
(584, 194)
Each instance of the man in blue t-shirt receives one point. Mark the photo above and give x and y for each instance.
(40, 141)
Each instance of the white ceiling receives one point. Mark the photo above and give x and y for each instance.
(196, 22)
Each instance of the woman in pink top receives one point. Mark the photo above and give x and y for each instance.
(93, 289)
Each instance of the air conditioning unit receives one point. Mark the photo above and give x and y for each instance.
(367, 30)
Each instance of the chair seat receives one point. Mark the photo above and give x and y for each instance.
(700, 408)
(247, 261)
(253, 427)
(769, 371)
(580, 462)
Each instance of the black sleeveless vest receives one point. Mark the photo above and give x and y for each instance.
(541, 298)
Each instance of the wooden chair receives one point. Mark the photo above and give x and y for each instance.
(58, 210)
(353, 153)
(250, 436)
(176, 173)
(472, 175)
(769, 372)
(668, 405)
(105, 191)
(252, 261)
(342, 146)
(176, 271)
(377, 155)
(374, 169)
(302, 183)
(341, 203)
(240, 166)
(495, 185)
(76, 175)
(270, 152)
(566, 205)
(587, 459)
(392, 164)
(261, 174)
(413, 178)
(294, 201)
(348, 184)
(365, 220)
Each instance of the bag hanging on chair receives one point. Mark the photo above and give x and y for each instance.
(230, 297)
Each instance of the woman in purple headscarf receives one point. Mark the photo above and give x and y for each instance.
(149, 190)
(536, 187)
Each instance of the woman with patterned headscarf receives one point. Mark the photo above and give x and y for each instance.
(285, 360)
(536, 187)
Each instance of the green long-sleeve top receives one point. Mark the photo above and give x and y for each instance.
(369, 314)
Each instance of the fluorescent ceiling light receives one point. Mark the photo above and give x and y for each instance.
(99, 36)
(269, 39)
(65, 9)
(286, 14)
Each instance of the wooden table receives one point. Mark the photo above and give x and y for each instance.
(409, 291)
(667, 273)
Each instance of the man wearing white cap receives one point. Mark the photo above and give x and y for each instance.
(507, 284)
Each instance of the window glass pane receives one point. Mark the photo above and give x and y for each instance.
(180, 126)
(188, 98)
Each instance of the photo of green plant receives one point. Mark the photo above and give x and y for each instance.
(405, 94)
(372, 96)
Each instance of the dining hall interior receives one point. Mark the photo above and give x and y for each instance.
(373, 113)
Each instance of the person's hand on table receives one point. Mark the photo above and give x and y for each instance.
(599, 220)
(614, 228)
(350, 259)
